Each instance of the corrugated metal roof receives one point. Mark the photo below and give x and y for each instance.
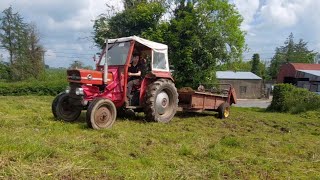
(236, 75)
(312, 72)
(304, 66)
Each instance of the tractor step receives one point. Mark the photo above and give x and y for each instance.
(134, 107)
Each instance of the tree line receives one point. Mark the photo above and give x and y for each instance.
(21, 41)
(203, 36)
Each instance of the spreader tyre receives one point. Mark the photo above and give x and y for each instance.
(101, 114)
(62, 109)
(161, 101)
(224, 110)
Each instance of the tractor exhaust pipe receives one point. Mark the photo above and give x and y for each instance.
(105, 73)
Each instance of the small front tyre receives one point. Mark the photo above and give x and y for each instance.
(224, 110)
(63, 109)
(101, 114)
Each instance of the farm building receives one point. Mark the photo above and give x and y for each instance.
(246, 84)
(302, 75)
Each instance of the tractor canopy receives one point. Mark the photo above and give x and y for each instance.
(159, 54)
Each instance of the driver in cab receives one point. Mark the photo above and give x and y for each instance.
(134, 72)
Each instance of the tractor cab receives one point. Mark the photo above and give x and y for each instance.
(104, 90)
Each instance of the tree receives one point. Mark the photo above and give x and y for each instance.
(21, 40)
(255, 68)
(4, 69)
(12, 31)
(35, 52)
(290, 52)
(200, 35)
(238, 65)
(79, 65)
(137, 17)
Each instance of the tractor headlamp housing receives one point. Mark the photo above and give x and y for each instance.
(79, 91)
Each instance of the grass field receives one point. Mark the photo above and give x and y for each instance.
(251, 144)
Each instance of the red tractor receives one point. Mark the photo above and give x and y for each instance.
(102, 91)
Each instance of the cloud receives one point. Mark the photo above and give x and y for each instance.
(283, 13)
(65, 27)
(248, 9)
(269, 22)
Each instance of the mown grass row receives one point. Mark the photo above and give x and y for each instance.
(251, 144)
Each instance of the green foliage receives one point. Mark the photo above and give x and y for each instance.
(51, 83)
(290, 52)
(133, 20)
(21, 40)
(238, 65)
(288, 98)
(4, 70)
(79, 65)
(199, 36)
(255, 64)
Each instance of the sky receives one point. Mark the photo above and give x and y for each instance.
(65, 27)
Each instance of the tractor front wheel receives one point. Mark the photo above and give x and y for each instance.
(161, 101)
(101, 114)
(224, 110)
(63, 109)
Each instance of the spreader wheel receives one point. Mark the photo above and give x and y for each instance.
(224, 110)
(63, 109)
(101, 114)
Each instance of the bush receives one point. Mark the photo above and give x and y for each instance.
(52, 83)
(35, 88)
(288, 98)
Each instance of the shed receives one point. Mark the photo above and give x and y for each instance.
(302, 75)
(246, 84)
(288, 72)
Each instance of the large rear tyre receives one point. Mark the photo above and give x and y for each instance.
(63, 109)
(101, 114)
(224, 110)
(161, 101)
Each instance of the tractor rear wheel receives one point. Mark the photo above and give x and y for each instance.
(224, 110)
(101, 114)
(161, 101)
(63, 109)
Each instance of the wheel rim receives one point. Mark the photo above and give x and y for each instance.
(103, 117)
(162, 102)
(226, 112)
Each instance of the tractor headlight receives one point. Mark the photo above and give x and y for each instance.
(68, 89)
(79, 91)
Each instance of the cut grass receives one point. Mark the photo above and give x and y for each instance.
(251, 144)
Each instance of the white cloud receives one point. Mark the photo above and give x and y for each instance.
(270, 23)
(248, 9)
(283, 13)
(65, 26)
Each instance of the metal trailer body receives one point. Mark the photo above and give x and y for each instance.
(196, 101)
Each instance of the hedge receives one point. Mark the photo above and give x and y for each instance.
(288, 98)
(32, 88)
